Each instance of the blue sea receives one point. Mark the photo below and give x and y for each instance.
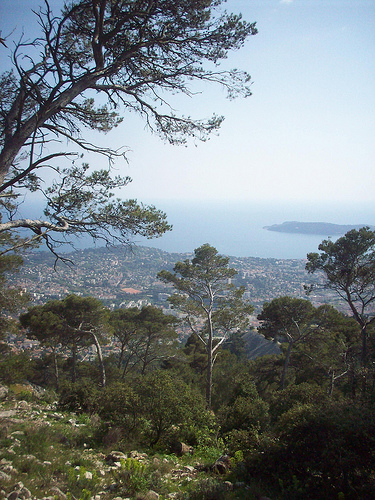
(237, 229)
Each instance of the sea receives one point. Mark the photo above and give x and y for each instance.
(237, 228)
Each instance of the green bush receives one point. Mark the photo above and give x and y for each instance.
(295, 395)
(155, 409)
(133, 477)
(319, 451)
(169, 406)
(79, 397)
(208, 489)
(16, 368)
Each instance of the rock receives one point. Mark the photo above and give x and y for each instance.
(88, 475)
(25, 493)
(16, 442)
(8, 413)
(228, 485)
(4, 462)
(152, 495)
(9, 468)
(3, 391)
(4, 476)
(19, 492)
(23, 405)
(29, 388)
(18, 486)
(182, 449)
(13, 495)
(58, 493)
(115, 456)
(222, 465)
(138, 456)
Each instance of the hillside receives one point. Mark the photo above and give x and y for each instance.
(119, 276)
(67, 464)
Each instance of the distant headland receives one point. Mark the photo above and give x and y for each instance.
(323, 228)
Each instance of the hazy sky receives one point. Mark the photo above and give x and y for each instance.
(307, 132)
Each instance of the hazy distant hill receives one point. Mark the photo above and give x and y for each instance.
(323, 228)
(256, 345)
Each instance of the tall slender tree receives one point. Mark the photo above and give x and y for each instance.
(291, 321)
(72, 322)
(348, 268)
(211, 305)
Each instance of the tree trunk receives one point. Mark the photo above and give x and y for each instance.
(74, 363)
(56, 369)
(209, 364)
(100, 359)
(286, 364)
(331, 383)
(121, 356)
(16, 140)
(364, 345)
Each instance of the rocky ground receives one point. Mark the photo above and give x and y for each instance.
(46, 454)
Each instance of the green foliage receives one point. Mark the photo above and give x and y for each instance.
(295, 396)
(296, 323)
(155, 409)
(16, 368)
(208, 489)
(82, 482)
(119, 405)
(320, 450)
(212, 307)
(12, 299)
(133, 56)
(169, 406)
(133, 477)
(349, 268)
(81, 396)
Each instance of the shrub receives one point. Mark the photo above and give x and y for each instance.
(324, 449)
(79, 397)
(169, 406)
(295, 395)
(133, 477)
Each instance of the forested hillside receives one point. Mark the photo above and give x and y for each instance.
(292, 422)
(130, 373)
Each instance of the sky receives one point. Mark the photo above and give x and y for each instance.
(307, 132)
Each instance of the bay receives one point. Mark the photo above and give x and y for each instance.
(237, 229)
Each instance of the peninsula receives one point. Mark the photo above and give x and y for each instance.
(323, 228)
